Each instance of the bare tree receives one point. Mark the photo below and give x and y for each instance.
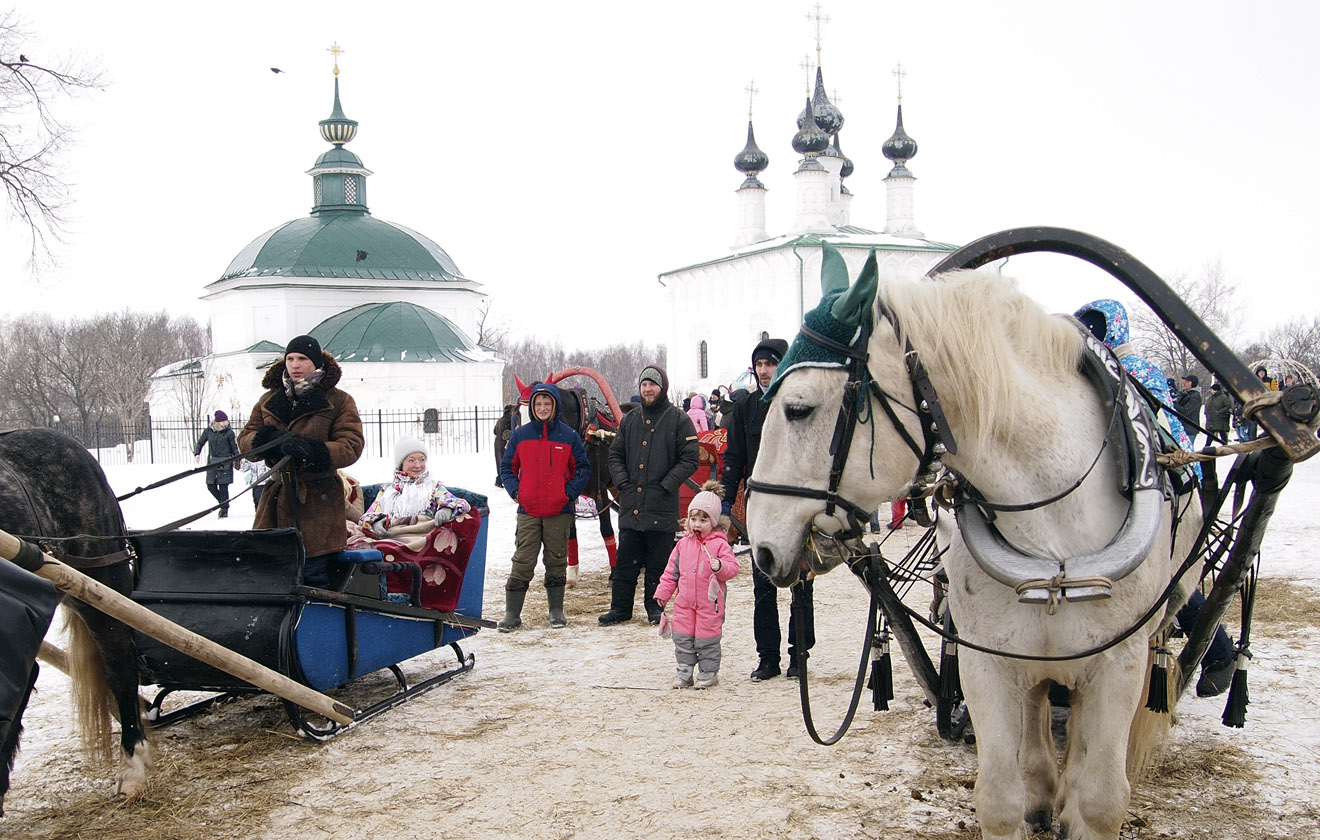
(1213, 297)
(32, 139)
(1298, 340)
(25, 375)
(133, 346)
(191, 388)
(492, 333)
(532, 359)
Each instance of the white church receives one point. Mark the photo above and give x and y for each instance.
(719, 309)
(387, 302)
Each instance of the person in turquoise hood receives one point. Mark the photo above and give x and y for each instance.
(1108, 321)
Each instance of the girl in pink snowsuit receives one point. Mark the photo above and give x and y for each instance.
(696, 576)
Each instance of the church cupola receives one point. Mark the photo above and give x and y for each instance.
(829, 118)
(339, 180)
(900, 182)
(900, 148)
(810, 141)
(751, 161)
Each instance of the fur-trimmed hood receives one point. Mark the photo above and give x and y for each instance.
(274, 377)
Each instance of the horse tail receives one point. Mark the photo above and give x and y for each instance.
(93, 701)
(1150, 730)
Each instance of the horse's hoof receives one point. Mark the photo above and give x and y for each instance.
(130, 788)
(1040, 821)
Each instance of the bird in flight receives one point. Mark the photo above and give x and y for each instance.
(361, 255)
(276, 70)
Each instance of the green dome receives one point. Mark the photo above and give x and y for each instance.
(394, 332)
(350, 245)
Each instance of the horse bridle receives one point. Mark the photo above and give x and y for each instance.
(858, 392)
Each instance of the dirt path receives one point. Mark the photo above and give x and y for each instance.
(575, 733)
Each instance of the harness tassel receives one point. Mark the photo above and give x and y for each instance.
(950, 684)
(881, 681)
(1235, 710)
(1157, 699)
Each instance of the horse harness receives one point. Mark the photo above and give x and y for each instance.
(1132, 429)
(54, 545)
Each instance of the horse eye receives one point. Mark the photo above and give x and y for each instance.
(797, 411)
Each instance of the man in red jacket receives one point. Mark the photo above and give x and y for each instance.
(544, 470)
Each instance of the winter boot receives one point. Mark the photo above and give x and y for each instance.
(683, 677)
(705, 680)
(554, 594)
(515, 592)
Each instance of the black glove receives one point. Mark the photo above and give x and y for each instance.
(298, 449)
(264, 436)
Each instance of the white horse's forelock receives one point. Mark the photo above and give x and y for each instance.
(980, 323)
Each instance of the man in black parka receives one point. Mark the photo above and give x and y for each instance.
(654, 451)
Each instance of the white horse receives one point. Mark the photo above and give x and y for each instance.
(1027, 426)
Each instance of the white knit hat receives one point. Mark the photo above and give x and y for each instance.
(406, 446)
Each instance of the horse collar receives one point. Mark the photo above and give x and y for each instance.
(1087, 577)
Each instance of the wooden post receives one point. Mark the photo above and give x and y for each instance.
(95, 594)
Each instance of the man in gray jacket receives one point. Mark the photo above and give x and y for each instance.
(654, 451)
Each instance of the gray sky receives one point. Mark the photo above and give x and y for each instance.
(565, 154)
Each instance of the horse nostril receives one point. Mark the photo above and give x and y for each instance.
(765, 560)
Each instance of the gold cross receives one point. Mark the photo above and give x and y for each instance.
(805, 64)
(819, 20)
(336, 51)
(899, 74)
(751, 94)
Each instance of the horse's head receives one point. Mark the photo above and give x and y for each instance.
(798, 514)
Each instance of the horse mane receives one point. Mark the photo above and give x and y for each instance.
(982, 323)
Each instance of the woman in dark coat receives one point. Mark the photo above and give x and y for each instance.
(325, 436)
(221, 448)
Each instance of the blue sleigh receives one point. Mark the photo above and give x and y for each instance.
(245, 591)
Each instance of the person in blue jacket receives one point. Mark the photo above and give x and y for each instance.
(544, 469)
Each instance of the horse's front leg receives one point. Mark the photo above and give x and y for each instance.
(1039, 766)
(1095, 783)
(995, 701)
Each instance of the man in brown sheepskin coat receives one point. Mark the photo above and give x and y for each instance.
(324, 434)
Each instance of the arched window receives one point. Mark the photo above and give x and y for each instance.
(703, 361)
(764, 335)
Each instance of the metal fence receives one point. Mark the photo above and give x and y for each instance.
(173, 440)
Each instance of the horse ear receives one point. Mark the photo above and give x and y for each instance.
(833, 270)
(853, 304)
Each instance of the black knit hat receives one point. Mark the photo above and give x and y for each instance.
(770, 348)
(309, 347)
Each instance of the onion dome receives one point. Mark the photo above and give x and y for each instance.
(899, 147)
(337, 128)
(829, 118)
(751, 160)
(847, 161)
(810, 140)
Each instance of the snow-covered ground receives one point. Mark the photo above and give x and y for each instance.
(575, 733)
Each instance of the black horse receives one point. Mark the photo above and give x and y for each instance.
(53, 493)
